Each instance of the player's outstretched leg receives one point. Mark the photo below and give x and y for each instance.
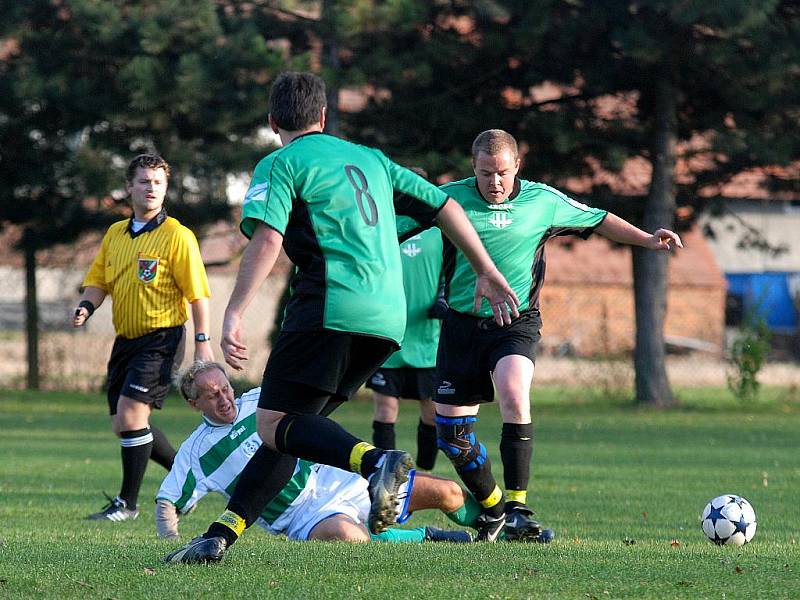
(392, 471)
(200, 550)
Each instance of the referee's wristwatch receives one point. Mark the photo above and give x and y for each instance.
(202, 337)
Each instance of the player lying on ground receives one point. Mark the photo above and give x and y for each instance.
(317, 502)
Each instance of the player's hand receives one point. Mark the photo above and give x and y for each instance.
(80, 316)
(233, 349)
(504, 302)
(203, 351)
(663, 239)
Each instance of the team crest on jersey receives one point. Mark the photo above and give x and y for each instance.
(411, 250)
(501, 220)
(148, 268)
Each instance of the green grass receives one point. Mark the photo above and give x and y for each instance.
(622, 487)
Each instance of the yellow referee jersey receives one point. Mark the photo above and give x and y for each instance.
(149, 274)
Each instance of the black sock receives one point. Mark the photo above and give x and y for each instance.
(163, 452)
(482, 484)
(383, 435)
(426, 446)
(315, 438)
(220, 530)
(264, 476)
(516, 449)
(261, 480)
(135, 449)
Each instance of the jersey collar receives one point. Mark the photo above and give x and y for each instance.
(151, 224)
(511, 196)
(307, 134)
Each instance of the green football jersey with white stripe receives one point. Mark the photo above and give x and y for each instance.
(514, 233)
(333, 201)
(421, 256)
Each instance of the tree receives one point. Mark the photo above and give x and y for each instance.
(722, 73)
(87, 84)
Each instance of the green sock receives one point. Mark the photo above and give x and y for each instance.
(466, 514)
(396, 536)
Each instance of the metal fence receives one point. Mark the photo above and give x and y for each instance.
(76, 359)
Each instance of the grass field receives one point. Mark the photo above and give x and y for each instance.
(622, 487)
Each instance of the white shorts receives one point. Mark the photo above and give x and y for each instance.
(329, 491)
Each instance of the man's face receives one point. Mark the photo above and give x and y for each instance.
(147, 191)
(495, 174)
(215, 396)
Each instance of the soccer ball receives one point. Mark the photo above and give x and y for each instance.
(730, 520)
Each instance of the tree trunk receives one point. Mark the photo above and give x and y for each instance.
(332, 64)
(650, 269)
(31, 315)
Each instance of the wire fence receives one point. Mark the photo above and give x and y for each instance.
(587, 343)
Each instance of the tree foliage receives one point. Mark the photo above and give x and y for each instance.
(87, 84)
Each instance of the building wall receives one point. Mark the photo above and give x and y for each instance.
(599, 320)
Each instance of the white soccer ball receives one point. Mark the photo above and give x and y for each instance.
(729, 520)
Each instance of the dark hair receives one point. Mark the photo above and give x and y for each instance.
(493, 142)
(146, 161)
(296, 100)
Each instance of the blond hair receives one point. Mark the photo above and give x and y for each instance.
(185, 380)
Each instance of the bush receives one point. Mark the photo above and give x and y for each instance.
(748, 354)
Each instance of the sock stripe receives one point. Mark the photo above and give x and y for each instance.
(357, 453)
(520, 496)
(136, 441)
(493, 498)
(232, 521)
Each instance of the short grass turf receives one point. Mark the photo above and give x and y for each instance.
(622, 487)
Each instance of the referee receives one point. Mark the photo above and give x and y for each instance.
(150, 265)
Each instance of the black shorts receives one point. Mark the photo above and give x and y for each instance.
(469, 349)
(308, 369)
(141, 368)
(405, 382)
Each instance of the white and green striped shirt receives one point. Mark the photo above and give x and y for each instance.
(213, 456)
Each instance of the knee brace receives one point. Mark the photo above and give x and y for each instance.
(456, 438)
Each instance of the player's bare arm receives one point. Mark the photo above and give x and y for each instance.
(257, 261)
(202, 323)
(619, 230)
(90, 301)
(490, 282)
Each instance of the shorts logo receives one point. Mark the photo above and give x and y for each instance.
(500, 220)
(139, 388)
(411, 250)
(378, 379)
(446, 389)
(148, 268)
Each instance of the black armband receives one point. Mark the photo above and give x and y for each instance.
(88, 306)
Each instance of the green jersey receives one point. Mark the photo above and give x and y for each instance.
(421, 256)
(333, 203)
(514, 233)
